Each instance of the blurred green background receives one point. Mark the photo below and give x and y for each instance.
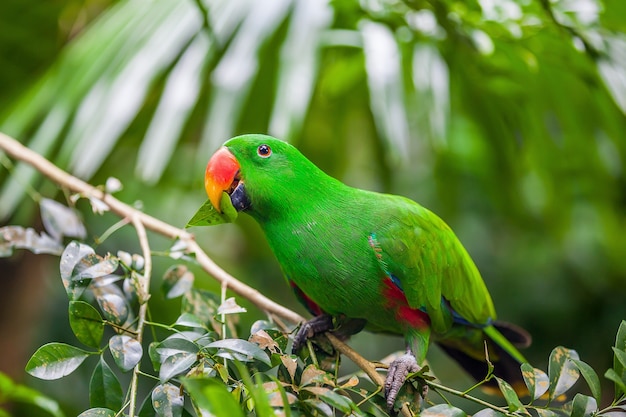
(507, 118)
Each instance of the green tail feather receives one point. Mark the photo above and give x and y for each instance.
(503, 341)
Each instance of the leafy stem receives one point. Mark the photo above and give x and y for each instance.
(144, 282)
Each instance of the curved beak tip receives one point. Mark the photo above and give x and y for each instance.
(221, 173)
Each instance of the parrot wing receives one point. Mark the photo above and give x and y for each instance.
(424, 258)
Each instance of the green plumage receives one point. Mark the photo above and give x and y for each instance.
(365, 255)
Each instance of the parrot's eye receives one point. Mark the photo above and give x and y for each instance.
(264, 151)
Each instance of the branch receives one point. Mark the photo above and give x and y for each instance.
(141, 220)
(47, 168)
(143, 290)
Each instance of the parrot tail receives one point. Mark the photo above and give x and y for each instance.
(503, 341)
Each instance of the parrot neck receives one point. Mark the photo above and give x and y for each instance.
(296, 199)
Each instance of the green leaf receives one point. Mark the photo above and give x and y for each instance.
(11, 392)
(155, 357)
(27, 238)
(86, 323)
(55, 360)
(583, 406)
(126, 351)
(618, 364)
(190, 320)
(562, 372)
(335, 400)
(249, 350)
(176, 344)
(176, 364)
(97, 412)
(447, 410)
(488, 412)
(619, 359)
(278, 396)
(114, 307)
(95, 270)
(510, 395)
(620, 385)
(591, 377)
(73, 254)
(536, 380)
(207, 215)
(544, 412)
(262, 407)
(211, 396)
(60, 220)
(105, 389)
(230, 306)
(318, 407)
(167, 401)
(178, 279)
(313, 375)
(201, 303)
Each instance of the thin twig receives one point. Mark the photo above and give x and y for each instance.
(462, 394)
(144, 284)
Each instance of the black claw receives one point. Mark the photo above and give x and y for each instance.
(315, 326)
(398, 370)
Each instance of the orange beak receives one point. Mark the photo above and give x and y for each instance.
(220, 176)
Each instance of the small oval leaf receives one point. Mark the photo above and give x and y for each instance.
(74, 252)
(562, 372)
(126, 351)
(591, 377)
(207, 215)
(337, 401)
(488, 412)
(176, 364)
(27, 238)
(190, 320)
(55, 360)
(544, 412)
(175, 344)
(103, 268)
(611, 375)
(86, 323)
(211, 396)
(443, 410)
(250, 350)
(60, 220)
(167, 401)
(105, 389)
(510, 395)
(97, 412)
(114, 307)
(178, 279)
(536, 380)
(230, 306)
(620, 344)
(583, 406)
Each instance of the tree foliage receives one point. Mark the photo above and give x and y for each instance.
(505, 117)
(199, 366)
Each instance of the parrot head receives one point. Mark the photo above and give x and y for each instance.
(259, 173)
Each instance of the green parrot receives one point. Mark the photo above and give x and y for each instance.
(368, 260)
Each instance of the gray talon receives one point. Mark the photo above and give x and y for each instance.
(398, 370)
(311, 328)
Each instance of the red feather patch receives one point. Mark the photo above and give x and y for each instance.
(305, 300)
(396, 300)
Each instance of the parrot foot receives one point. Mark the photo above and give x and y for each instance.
(398, 370)
(318, 324)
